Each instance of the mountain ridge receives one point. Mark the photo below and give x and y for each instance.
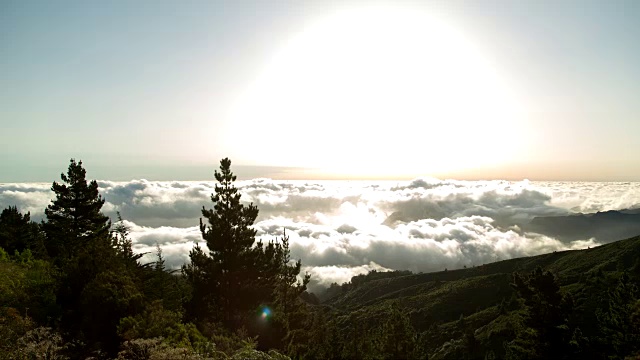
(447, 308)
(605, 226)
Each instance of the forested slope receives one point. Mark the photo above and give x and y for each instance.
(484, 311)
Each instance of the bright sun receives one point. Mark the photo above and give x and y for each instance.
(378, 92)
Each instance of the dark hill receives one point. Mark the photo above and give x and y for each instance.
(605, 226)
(441, 306)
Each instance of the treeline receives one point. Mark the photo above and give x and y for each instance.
(484, 313)
(71, 287)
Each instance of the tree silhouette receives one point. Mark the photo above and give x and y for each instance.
(124, 245)
(230, 240)
(238, 275)
(91, 278)
(18, 233)
(74, 218)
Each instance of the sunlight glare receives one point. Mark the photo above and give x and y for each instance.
(375, 91)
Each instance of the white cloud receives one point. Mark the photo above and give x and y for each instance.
(325, 275)
(30, 197)
(341, 229)
(174, 242)
(588, 197)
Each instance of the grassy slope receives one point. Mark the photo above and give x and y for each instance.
(439, 299)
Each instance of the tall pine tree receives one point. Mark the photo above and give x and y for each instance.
(74, 218)
(230, 240)
(238, 275)
(79, 240)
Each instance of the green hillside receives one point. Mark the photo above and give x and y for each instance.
(568, 266)
(477, 312)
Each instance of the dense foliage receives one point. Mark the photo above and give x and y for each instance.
(71, 287)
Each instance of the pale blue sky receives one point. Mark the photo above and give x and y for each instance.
(144, 88)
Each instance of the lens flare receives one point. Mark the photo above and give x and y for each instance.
(265, 313)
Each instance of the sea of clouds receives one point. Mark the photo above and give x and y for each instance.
(343, 228)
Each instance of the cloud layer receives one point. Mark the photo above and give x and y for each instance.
(343, 228)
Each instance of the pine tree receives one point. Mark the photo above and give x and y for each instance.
(18, 233)
(200, 277)
(124, 245)
(159, 277)
(159, 265)
(74, 218)
(230, 240)
(238, 275)
(289, 288)
(80, 243)
(228, 235)
(292, 311)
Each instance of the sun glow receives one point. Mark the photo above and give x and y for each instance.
(378, 91)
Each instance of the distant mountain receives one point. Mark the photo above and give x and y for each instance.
(605, 226)
(631, 211)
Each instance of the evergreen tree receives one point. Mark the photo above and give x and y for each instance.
(74, 218)
(124, 245)
(18, 233)
(77, 233)
(289, 305)
(159, 265)
(200, 278)
(238, 276)
(548, 313)
(230, 240)
(163, 285)
(91, 280)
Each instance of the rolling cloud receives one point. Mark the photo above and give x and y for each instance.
(344, 228)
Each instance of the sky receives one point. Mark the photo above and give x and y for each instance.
(162, 90)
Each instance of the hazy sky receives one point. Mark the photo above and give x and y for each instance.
(478, 89)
